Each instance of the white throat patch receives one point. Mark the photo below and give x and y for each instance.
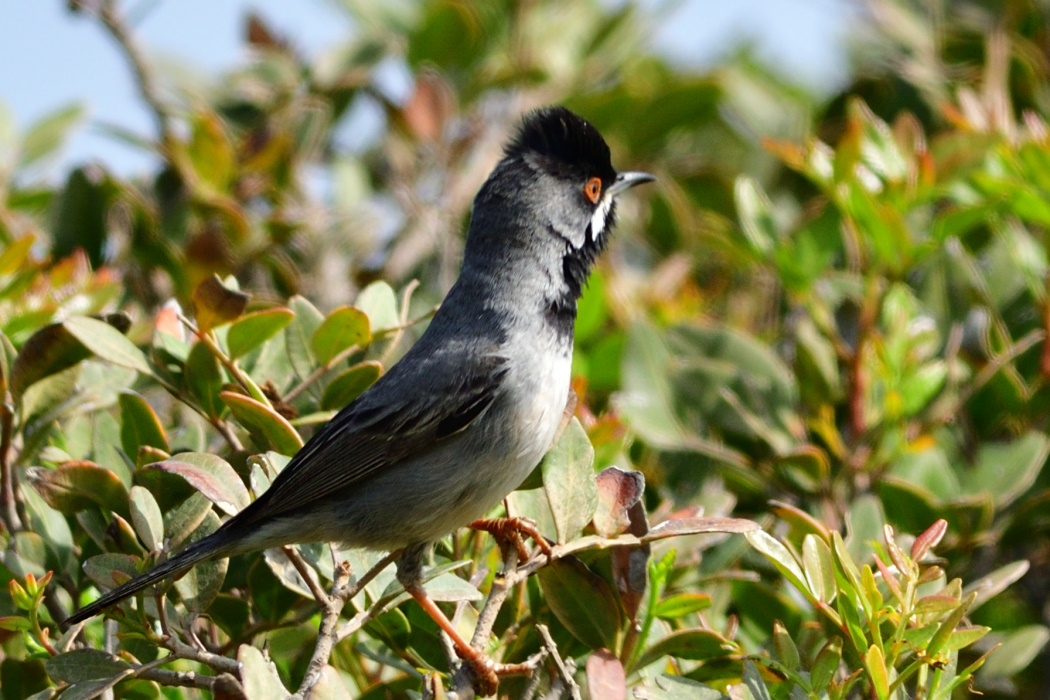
(600, 217)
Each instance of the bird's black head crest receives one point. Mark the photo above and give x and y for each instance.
(565, 143)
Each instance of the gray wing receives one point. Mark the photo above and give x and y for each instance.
(400, 416)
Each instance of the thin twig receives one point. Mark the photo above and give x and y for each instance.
(997, 363)
(563, 670)
(181, 650)
(224, 683)
(306, 574)
(231, 366)
(502, 585)
(144, 76)
(227, 433)
(320, 371)
(332, 604)
(7, 484)
(406, 297)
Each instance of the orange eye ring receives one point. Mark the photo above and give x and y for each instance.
(593, 189)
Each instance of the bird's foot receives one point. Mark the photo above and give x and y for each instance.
(511, 532)
(487, 672)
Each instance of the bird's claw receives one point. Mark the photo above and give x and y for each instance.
(509, 531)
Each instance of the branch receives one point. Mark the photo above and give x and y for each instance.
(8, 500)
(181, 650)
(332, 604)
(563, 669)
(145, 79)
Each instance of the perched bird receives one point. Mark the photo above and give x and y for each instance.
(469, 411)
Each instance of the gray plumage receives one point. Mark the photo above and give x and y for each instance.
(468, 412)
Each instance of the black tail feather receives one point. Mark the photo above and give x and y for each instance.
(199, 551)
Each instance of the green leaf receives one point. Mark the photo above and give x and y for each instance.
(252, 330)
(211, 475)
(184, 518)
(987, 587)
(48, 134)
(1020, 647)
(139, 425)
(108, 343)
(270, 427)
(568, 481)
(84, 665)
(680, 605)
(12, 623)
(784, 645)
(49, 351)
(111, 569)
(202, 583)
(876, 665)
(307, 320)
(670, 687)
(753, 681)
(81, 218)
(878, 149)
(532, 504)
(210, 152)
(87, 690)
(379, 303)
(350, 384)
(687, 644)
(806, 467)
(865, 520)
(1007, 470)
(819, 567)
(204, 378)
(582, 601)
(147, 518)
(342, 329)
(826, 664)
(449, 588)
(690, 525)
(964, 637)
(261, 681)
(780, 556)
(74, 486)
(756, 216)
(215, 304)
(646, 399)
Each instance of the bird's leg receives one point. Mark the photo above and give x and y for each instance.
(486, 671)
(509, 531)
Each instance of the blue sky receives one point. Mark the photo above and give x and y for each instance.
(72, 59)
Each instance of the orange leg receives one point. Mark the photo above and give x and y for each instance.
(486, 671)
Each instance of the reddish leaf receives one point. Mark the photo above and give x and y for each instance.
(210, 475)
(605, 676)
(630, 565)
(928, 540)
(618, 491)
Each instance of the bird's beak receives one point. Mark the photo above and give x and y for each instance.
(627, 180)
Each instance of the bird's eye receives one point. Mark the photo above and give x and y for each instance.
(593, 189)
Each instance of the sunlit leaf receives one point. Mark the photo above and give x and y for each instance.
(568, 480)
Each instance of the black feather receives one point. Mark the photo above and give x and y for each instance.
(567, 143)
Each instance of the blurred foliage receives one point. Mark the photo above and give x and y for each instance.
(831, 317)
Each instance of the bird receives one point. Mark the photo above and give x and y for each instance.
(468, 412)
